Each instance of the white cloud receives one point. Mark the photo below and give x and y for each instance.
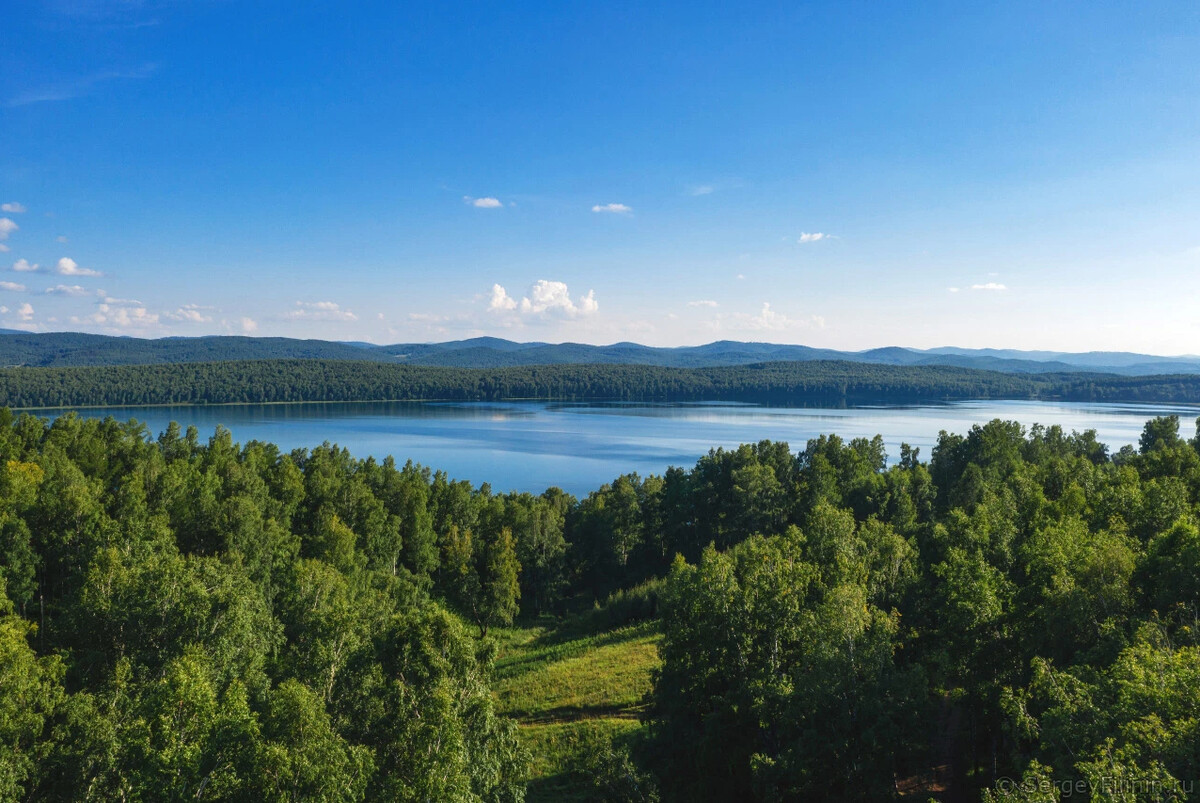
(767, 320)
(702, 190)
(501, 300)
(69, 267)
(13, 207)
(74, 290)
(546, 298)
(60, 238)
(3, 248)
(25, 312)
(12, 287)
(320, 311)
(813, 237)
(703, 303)
(120, 316)
(770, 319)
(952, 289)
(7, 227)
(3, 310)
(741, 276)
(483, 203)
(616, 209)
(190, 313)
(23, 266)
(249, 325)
(993, 286)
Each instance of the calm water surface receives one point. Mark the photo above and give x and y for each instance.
(530, 446)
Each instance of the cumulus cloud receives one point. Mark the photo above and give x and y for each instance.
(546, 298)
(13, 207)
(69, 267)
(7, 227)
(483, 203)
(25, 312)
(703, 303)
(501, 300)
(320, 311)
(813, 237)
(74, 290)
(12, 287)
(993, 286)
(249, 325)
(616, 209)
(24, 266)
(118, 315)
(190, 313)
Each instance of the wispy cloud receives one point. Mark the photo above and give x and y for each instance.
(990, 286)
(703, 303)
(767, 320)
(13, 287)
(76, 87)
(483, 203)
(813, 237)
(703, 189)
(73, 290)
(951, 289)
(320, 311)
(13, 207)
(614, 209)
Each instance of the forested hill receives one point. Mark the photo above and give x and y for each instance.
(74, 348)
(818, 382)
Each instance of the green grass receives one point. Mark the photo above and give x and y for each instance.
(572, 694)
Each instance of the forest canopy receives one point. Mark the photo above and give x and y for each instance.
(195, 619)
(814, 382)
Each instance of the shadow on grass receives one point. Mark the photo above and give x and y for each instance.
(554, 646)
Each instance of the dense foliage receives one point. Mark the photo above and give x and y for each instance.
(1023, 610)
(200, 620)
(823, 382)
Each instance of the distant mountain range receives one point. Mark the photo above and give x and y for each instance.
(74, 348)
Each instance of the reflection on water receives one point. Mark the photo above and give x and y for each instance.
(530, 446)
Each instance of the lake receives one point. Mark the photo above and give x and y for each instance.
(529, 446)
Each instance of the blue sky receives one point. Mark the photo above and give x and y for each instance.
(851, 175)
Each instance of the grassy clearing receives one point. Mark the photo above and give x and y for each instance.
(573, 693)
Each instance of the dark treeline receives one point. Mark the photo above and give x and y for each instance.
(196, 620)
(825, 382)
